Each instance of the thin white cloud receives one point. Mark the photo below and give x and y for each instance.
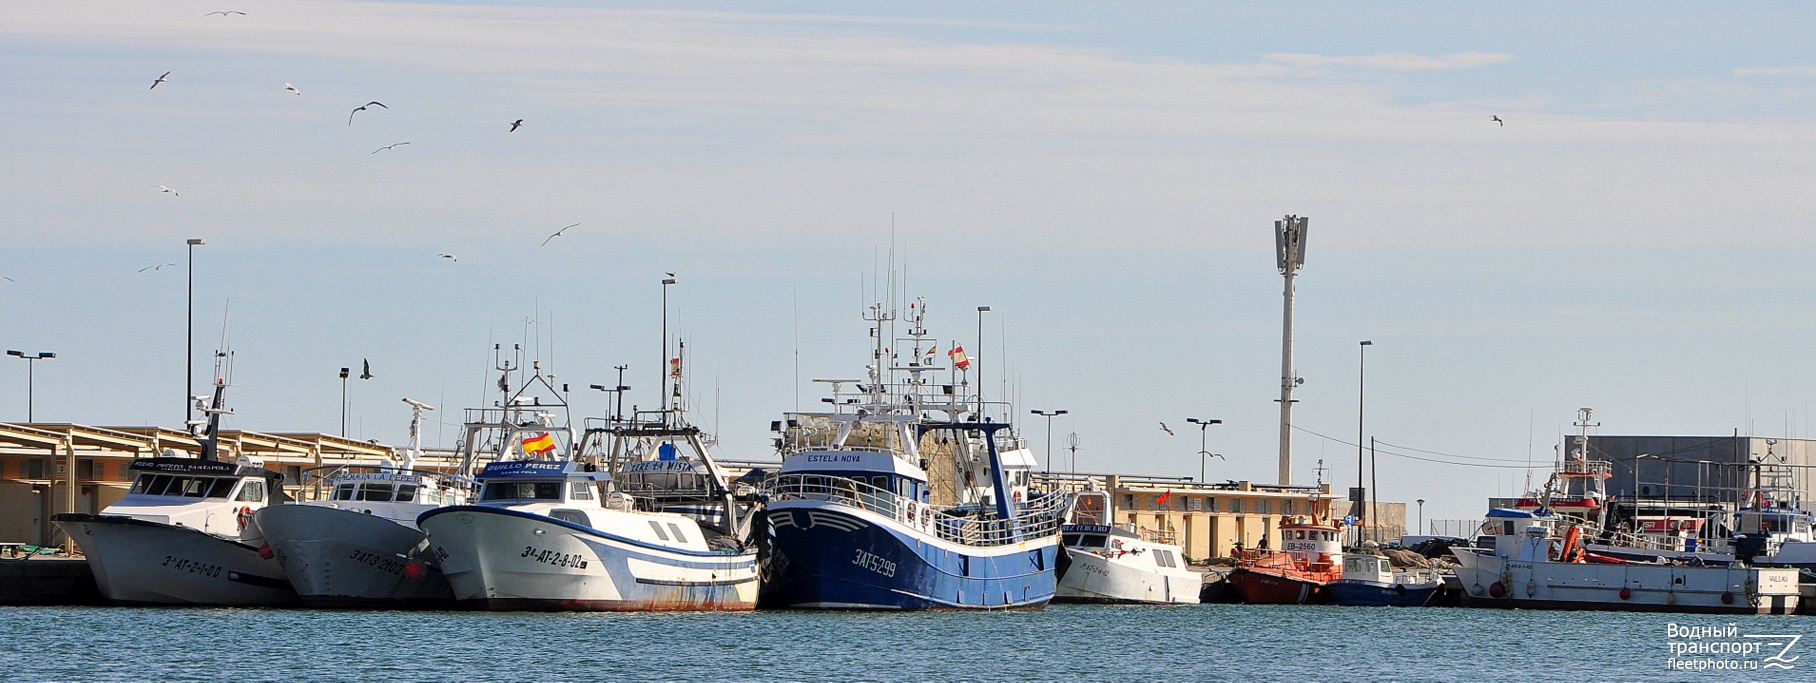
(1777, 71)
(1392, 61)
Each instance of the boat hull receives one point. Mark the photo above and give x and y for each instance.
(1093, 578)
(1377, 594)
(1260, 587)
(1493, 581)
(502, 559)
(829, 556)
(347, 559)
(136, 562)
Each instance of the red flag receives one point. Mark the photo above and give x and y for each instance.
(1163, 498)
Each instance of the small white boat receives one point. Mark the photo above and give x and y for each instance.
(1106, 563)
(361, 546)
(1370, 580)
(358, 545)
(184, 534)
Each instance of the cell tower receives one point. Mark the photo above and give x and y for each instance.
(1289, 248)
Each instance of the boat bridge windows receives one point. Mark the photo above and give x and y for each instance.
(379, 492)
(1309, 535)
(182, 486)
(1084, 540)
(521, 490)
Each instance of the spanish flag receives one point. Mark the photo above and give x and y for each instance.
(539, 445)
(959, 359)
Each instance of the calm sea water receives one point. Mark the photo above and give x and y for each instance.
(1065, 642)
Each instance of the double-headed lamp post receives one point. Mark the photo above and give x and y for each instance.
(31, 363)
(1049, 415)
(1203, 452)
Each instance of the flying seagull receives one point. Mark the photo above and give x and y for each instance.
(1497, 119)
(161, 79)
(8, 279)
(514, 125)
(451, 257)
(157, 267)
(365, 369)
(292, 88)
(545, 242)
(361, 108)
(394, 144)
(225, 13)
(173, 193)
(1165, 428)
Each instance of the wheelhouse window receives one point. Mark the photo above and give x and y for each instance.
(659, 532)
(374, 491)
(522, 490)
(344, 492)
(195, 488)
(677, 531)
(252, 492)
(1084, 540)
(406, 493)
(220, 488)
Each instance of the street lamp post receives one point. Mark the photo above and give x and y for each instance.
(1203, 452)
(189, 348)
(1421, 503)
(1049, 415)
(31, 364)
(1357, 495)
(344, 372)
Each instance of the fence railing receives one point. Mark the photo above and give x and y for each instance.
(973, 526)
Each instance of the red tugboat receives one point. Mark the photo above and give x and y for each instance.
(1310, 557)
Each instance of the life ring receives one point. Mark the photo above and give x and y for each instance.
(244, 516)
(1016, 496)
(911, 513)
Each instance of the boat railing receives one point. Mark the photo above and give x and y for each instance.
(1162, 536)
(971, 526)
(1595, 468)
(318, 482)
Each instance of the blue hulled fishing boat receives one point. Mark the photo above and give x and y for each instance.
(903, 497)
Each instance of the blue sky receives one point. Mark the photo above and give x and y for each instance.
(1104, 176)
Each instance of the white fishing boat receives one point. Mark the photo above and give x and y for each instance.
(1110, 563)
(1538, 570)
(184, 533)
(357, 544)
(551, 532)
